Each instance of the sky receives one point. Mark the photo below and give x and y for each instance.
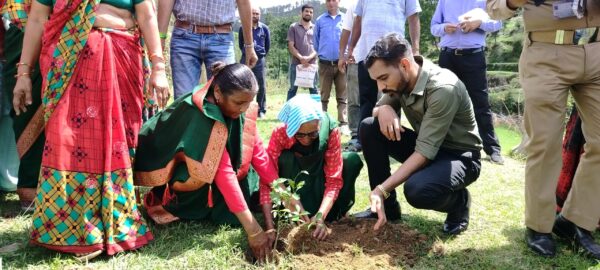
(270, 3)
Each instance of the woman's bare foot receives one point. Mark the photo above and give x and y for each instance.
(84, 257)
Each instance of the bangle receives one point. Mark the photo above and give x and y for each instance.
(162, 35)
(21, 75)
(23, 64)
(255, 234)
(157, 55)
(383, 192)
(270, 231)
(251, 45)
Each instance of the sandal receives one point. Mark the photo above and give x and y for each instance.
(85, 257)
(353, 146)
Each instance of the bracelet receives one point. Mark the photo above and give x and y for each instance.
(159, 56)
(162, 35)
(385, 193)
(21, 75)
(270, 231)
(256, 234)
(23, 64)
(251, 45)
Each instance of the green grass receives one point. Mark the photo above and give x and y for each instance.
(494, 239)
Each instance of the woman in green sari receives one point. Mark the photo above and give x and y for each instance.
(28, 126)
(309, 140)
(202, 154)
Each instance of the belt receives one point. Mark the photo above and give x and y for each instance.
(463, 51)
(559, 37)
(205, 29)
(327, 62)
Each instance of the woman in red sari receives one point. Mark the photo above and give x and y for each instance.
(92, 61)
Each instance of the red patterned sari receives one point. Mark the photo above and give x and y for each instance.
(93, 102)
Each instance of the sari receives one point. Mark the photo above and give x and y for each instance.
(313, 159)
(92, 103)
(182, 153)
(28, 127)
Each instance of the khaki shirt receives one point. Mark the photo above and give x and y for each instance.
(540, 18)
(440, 111)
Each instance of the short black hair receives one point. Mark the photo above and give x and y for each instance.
(305, 6)
(390, 48)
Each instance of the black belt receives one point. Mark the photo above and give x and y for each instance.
(463, 51)
(327, 62)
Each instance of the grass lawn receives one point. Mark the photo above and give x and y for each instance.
(494, 239)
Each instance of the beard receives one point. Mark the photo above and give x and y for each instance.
(307, 18)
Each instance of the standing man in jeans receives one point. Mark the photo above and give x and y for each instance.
(262, 43)
(328, 28)
(348, 65)
(440, 157)
(374, 19)
(300, 45)
(202, 35)
(463, 52)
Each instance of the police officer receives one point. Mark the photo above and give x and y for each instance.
(553, 64)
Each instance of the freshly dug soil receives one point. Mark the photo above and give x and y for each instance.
(354, 244)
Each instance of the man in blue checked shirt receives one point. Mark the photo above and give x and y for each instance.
(328, 29)
(462, 26)
(262, 43)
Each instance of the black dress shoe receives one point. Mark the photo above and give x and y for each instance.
(458, 221)
(581, 237)
(392, 213)
(541, 243)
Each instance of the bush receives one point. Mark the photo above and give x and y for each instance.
(507, 102)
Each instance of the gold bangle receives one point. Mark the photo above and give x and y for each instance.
(160, 57)
(23, 64)
(256, 234)
(21, 75)
(383, 192)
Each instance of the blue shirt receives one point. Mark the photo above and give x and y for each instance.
(326, 36)
(448, 11)
(262, 40)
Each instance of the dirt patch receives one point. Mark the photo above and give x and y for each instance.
(354, 245)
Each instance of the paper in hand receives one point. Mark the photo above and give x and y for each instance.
(474, 14)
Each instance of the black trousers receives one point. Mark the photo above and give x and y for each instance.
(440, 185)
(471, 70)
(367, 91)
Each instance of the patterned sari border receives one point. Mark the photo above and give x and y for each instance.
(32, 131)
(110, 249)
(200, 172)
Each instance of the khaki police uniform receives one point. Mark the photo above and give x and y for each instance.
(550, 67)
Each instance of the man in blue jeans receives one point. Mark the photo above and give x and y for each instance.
(300, 45)
(262, 43)
(202, 35)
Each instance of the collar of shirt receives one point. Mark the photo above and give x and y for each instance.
(336, 15)
(424, 68)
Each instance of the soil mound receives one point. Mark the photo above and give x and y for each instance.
(354, 244)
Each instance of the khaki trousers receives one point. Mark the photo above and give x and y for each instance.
(548, 73)
(328, 75)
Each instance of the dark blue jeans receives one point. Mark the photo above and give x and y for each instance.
(441, 185)
(293, 89)
(471, 70)
(260, 71)
(189, 51)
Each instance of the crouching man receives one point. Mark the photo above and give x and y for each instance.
(440, 157)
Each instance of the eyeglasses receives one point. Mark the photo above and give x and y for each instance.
(312, 135)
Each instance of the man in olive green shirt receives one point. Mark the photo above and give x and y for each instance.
(440, 157)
